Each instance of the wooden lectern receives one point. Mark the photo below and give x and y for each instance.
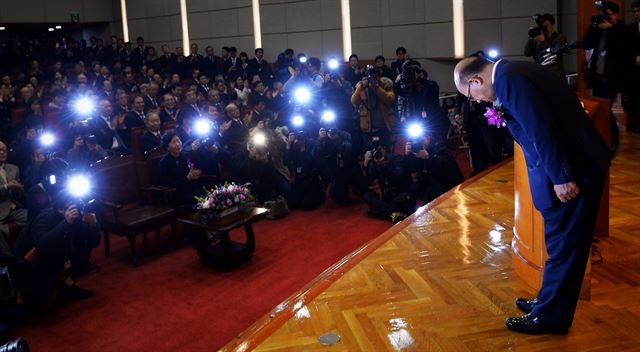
(529, 251)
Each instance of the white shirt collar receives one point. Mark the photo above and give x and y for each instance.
(493, 72)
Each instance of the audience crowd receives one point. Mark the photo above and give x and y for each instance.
(297, 130)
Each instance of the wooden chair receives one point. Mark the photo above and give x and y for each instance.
(124, 213)
(136, 135)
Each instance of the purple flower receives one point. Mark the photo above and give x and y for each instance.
(190, 164)
(494, 117)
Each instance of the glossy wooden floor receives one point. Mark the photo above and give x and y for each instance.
(443, 281)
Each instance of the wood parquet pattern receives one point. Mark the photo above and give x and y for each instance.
(445, 282)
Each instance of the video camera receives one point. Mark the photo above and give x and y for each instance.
(539, 28)
(602, 16)
(410, 69)
(204, 128)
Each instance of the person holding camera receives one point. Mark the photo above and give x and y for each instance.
(393, 199)
(544, 37)
(47, 250)
(374, 98)
(608, 40)
(436, 169)
(307, 192)
(339, 165)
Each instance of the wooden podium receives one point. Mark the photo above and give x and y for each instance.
(529, 251)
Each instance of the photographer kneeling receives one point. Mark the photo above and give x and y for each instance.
(394, 200)
(436, 169)
(48, 248)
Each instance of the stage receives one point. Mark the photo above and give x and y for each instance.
(443, 280)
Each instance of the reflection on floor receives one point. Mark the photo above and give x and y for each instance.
(443, 281)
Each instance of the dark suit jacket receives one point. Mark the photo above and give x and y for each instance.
(261, 68)
(149, 103)
(148, 141)
(103, 132)
(559, 141)
(187, 111)
(131, 120)
(210, 66)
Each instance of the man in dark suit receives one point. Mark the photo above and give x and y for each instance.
(152, 137)
(103, 128)
(567, 161)
(210, 63)
(167, 63)
(232, 65)
(190, 108)
(259, 66)
(134, 118)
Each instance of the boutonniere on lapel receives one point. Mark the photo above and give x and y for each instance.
(495, 116)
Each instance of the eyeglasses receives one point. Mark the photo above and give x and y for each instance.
(469, 92)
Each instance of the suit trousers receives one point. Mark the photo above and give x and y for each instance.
(568, 234)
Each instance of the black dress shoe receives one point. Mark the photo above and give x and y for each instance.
(527, 324)
(526, 305)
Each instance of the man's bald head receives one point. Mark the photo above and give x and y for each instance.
(472, 77)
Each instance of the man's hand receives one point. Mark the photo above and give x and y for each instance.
(566, 191)
(90, 219)
(605, 25)
(367, 158)
(194, 174)
(71, 214)
(224, 127)
(422, 154)
(291, 138)
(14, 185)
(539, 37)
(195, 145)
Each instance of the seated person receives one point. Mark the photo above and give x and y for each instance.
(177, 171)
(78, 155)
(44, 249)
(31, 174)
(152, 136)
(12, 216)
(39, 196)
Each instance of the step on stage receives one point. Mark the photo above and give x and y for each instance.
(443, 280)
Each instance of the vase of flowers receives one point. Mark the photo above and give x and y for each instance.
(224, 200)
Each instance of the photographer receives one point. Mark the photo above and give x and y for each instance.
(608, 40)
(49, 248)
(436, 169)
(394, 200)
(305, 167)
(421, 100)
(374, 98)
(339, 163)
(543, 37)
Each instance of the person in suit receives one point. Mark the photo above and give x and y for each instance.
(168, 62)
(232, 66)
(152, 137)
(210, 63)
(169, 112)
(133, 119)
(607, 67)
(234, 132)
(259, 66)
(151, 100)
(103, 128)
(567, 161)
(190, 107)
(10, 211)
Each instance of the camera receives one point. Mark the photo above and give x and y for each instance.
(602, 16)
(17, 345)
(410, 69)
(539, 28)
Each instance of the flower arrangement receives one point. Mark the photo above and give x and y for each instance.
(495, 117)
(223, 197)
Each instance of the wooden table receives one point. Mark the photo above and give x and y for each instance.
(215, 247)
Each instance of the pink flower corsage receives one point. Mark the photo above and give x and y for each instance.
(495, 117)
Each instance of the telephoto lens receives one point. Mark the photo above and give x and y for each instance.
(17, 345)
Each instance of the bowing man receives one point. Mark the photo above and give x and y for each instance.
(567, 161)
